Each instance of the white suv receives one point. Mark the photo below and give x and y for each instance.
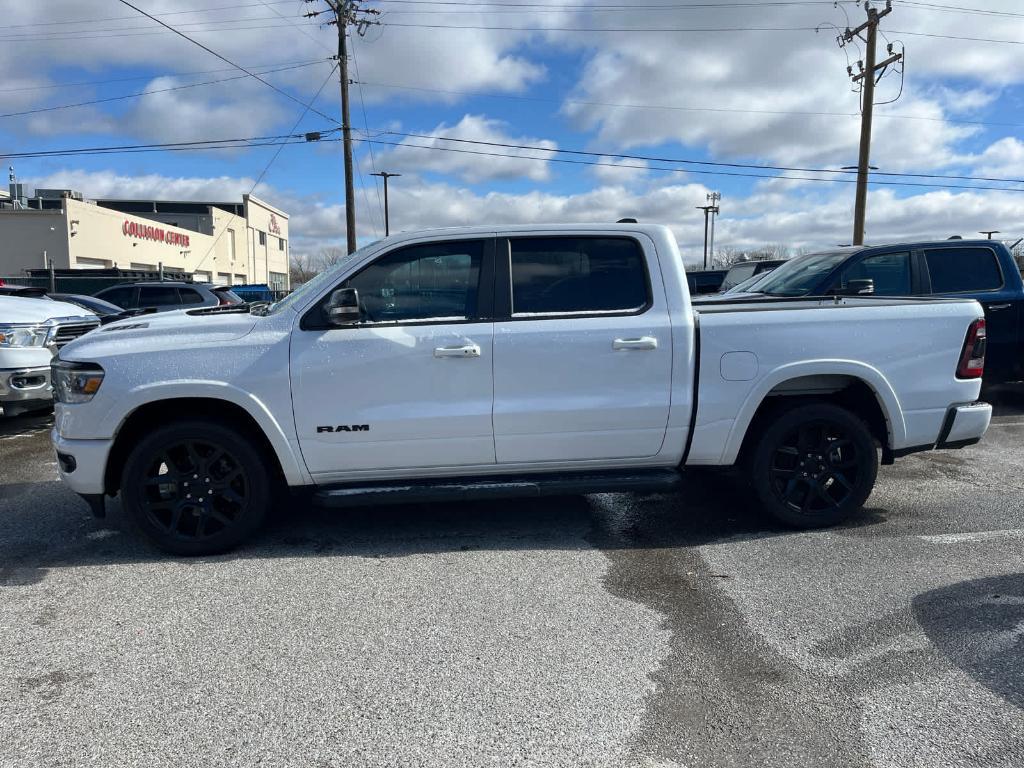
(32, 330)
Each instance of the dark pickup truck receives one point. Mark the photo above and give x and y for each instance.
(972, 269)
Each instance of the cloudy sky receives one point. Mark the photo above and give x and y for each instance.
(610, 96)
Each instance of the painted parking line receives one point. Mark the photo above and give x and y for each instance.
(973, 536)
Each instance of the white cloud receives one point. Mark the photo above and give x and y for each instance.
(457, 159)
(818, 217)
(1001, 159)
(615, 170)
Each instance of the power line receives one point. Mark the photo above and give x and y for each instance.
(600, 29)
(129, 32)
(234, 143)
(149, 77)
(673, 107)
(306, 110)
(79, 22)
(146, 93)
(690, 170)
(685, 161)
(228, 61)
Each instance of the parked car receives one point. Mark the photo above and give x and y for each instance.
(975, 269)
(705, 281)
(32, 330)
(744, 270)
(497, 361)
(99, 307)
(167, 295)
(747, 285)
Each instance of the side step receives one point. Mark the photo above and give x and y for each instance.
(498, 487)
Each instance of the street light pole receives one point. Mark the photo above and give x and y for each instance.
(387, 216)
(989, 232)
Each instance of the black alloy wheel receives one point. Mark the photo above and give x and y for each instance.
(815, 465)
(196, 488)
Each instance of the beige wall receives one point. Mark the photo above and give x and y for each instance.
(25, 235)
(267, 257)
(88, 236)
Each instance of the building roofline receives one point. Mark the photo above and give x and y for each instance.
(261, 202)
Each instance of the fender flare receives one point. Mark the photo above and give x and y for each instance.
(292, 465)
(872, 377)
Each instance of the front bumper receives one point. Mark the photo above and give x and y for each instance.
(82, 464)
(25, 388)
(964, 425)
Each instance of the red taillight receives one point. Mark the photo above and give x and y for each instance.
(972, 359)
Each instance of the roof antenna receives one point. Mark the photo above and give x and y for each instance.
(626, 221)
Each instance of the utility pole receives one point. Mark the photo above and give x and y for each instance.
(866, 75)
(347, 13)
(989, 232)
(387, 216)
(713, 198)
(708, 210)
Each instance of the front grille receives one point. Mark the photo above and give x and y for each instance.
(68, 332)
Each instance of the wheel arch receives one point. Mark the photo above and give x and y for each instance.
(259, 427)
(856, 386)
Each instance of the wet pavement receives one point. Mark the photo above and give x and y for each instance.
(610, 630)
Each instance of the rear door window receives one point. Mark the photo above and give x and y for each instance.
(963, 270)
(190, 296)
(123, 296)
(158, 296)
(889, 271)
(571, 275)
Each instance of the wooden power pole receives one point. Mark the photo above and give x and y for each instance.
(348, 13)
(868, 34)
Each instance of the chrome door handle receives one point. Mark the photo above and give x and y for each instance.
(644, 342)
(468, 350)
(995, 307)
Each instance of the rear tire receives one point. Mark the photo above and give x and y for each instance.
(196, 488)
(814, 465)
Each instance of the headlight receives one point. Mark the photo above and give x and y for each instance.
(23, 335)
(75, 382)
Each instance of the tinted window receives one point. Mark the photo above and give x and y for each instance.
(158, 296)
(122, 297)
(190, 296)
(229, 296)
(563, 275)
(954, 270)
(890, 271)
(423, 282)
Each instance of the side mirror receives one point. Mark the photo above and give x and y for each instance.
(865, 287)
(343, 307)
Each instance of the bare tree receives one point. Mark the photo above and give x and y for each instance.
(305, 266)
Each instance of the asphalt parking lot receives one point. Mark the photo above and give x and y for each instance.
(611, 630)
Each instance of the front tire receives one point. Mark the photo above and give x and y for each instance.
(814, 466)
(196, 488)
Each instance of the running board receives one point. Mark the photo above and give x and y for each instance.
(498, 487)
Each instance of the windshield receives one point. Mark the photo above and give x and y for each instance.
(748, 284)
(801, 275)
(313, 286)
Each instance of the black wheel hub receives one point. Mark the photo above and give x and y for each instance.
(195, 489)
(815, 468)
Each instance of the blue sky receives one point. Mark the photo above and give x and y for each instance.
(758, 86)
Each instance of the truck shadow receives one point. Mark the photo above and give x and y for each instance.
(979, 626)
(44, 526)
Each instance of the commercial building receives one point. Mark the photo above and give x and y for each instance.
(232, 243)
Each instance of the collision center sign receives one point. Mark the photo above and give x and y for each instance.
(150, 232)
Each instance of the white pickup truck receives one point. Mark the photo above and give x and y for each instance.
(32, 329)
(507, 361)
